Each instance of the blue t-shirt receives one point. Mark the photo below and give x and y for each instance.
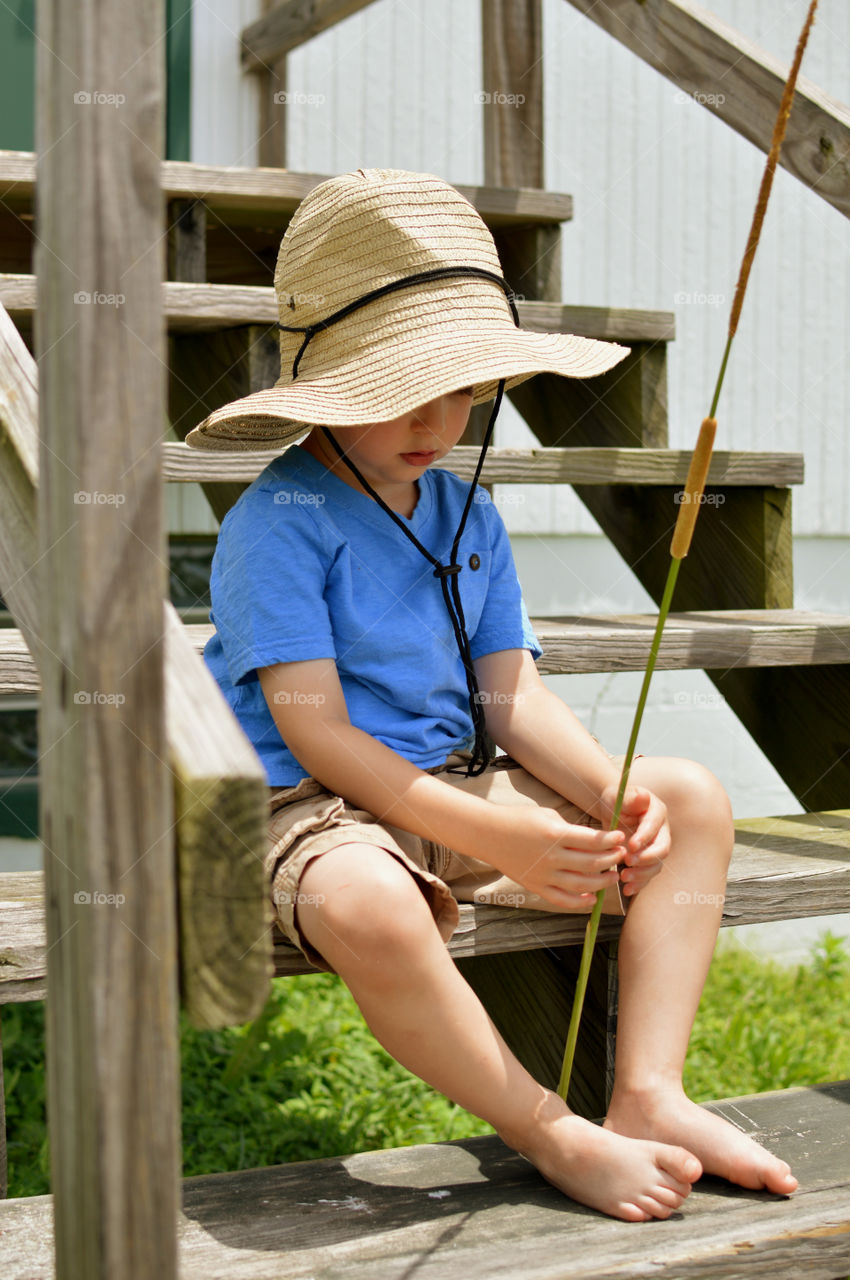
(307, 567)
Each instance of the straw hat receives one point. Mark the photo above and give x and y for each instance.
(349, 237)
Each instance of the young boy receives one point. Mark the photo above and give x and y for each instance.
(371, 634)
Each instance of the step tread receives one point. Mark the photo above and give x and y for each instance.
(579, 465)
(783, 868)
(271, 192)
(708, 640)
(471, 1209)
(208, 307)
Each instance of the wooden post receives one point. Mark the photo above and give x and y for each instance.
(106, 798)
(271, 80)
(529, 994)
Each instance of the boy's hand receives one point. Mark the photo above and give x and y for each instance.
(565, 864)
(643, 819)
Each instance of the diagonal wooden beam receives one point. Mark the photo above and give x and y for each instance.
(737, 82)
(288, 25)
(219, 785)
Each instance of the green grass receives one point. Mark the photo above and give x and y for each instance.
(308, 1080)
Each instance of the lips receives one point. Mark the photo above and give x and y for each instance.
(421, 459)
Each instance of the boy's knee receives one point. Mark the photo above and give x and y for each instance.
(366, 897)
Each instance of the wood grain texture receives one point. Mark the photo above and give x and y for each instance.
(288, 24)
(199, 307)
(106, 815)
(783, 868)
(578, 465)
(739, 83)
(219, 785)
(472, 1209)
(724, 639)
(272, 80)
(269, 192)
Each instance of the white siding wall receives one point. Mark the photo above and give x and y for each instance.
(663, 200)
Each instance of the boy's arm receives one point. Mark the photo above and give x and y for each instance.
(540, 731)
(561, 862)
(543, 735)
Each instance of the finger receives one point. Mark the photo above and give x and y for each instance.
(575, 883)
(592, 839)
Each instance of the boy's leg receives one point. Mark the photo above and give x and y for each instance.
(665, 949)
(362, 910)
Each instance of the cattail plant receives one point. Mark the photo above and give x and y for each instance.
(684, 528)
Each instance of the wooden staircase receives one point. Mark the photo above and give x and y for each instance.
(736, 620)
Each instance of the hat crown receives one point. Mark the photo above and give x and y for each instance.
(356, 232)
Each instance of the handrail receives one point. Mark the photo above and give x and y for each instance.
(220, 790)
(288, 25)
(738, 82)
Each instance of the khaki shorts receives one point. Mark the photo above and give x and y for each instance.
(306, 821)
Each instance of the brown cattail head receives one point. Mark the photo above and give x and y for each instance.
(694, 487)
(769, 170)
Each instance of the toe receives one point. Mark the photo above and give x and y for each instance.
(681, 1165)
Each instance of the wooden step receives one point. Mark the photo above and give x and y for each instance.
(576, 645)
(472, 1209)
(195, 308)
(582, 465)
(242, 195)
(782, 868)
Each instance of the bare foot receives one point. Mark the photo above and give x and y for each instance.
(631, 1179)
(668, 1115)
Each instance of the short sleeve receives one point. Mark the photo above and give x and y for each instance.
(504, 622)
(266, 586)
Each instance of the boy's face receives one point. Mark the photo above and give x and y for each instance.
(397, 452)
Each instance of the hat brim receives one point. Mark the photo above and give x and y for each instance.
(397, 378)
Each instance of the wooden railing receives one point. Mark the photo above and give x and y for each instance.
(738, 82)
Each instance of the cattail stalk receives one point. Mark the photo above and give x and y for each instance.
(683, 531)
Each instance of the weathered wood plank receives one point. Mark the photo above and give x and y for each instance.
(220, 791)
(272, 83)
(738, 82)
(783, 868)
(209, 370)
(274, 194)
(197, 307)
(580, 465)
(187, 240)
(472, 1209)
(105, 794)
(743, 639)
(288, 24)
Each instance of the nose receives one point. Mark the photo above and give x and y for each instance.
(432, 416)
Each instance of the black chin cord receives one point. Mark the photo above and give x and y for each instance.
(448, 575)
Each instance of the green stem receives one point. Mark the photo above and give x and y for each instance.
(593, 922)
(721, 375)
